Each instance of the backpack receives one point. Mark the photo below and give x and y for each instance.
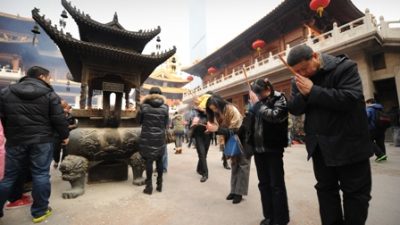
(382, 120)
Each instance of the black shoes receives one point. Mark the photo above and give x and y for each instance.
(159, 185)
(203, 179)
(237, 199)
(148, 190)
(265, 222)
(230, 196)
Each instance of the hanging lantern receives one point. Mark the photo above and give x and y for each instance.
(68, 86)
(211, 70)
(319, 5)
(35, 29)
(258, 45)
(64, 14)
(190, 78)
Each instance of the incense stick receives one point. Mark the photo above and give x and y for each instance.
(245, 75)
(287, 65)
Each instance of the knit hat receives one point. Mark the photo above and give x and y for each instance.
(201, 101)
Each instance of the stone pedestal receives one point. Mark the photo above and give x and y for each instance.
(115, 170)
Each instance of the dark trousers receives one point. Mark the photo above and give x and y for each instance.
(149, 169)
(202, 142)
(272, 186)
(58, 149)
(214, 139)
(353, 180)
(191, 140)
(378, 140)
(40, 156)
(19, 185)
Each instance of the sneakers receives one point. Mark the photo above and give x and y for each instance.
(380, 159)
(24, 201)
(44, 217)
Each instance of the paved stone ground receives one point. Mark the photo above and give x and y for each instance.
(186, 201)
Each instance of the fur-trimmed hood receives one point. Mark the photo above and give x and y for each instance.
(155, 100)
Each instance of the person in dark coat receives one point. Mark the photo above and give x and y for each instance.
(153, 117)
(31, 114)
(377, 134)
(201, 139)
(269, 138)
(328, 90)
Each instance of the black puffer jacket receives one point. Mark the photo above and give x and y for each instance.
(270, 127)
(336, 119)
(31, 113)
(153, 117)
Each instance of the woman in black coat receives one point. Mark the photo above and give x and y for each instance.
(153, 117)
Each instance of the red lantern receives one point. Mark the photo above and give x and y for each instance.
(211, 70)
(190, 78)
(319, 5)
(258, 45)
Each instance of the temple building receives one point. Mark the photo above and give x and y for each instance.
(341, 29)
(20, 49)
(167, 78)
(106, 61)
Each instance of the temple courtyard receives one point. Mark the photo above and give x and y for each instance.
(186, 201)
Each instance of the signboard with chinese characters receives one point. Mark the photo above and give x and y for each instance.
(113, 87)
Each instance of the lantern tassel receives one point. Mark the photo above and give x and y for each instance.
(320, 10)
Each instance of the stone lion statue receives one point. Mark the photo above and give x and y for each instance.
(74, 169)
(138, 166)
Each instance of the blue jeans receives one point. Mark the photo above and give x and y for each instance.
(40, 157)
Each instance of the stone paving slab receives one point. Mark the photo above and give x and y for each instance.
(186, 201)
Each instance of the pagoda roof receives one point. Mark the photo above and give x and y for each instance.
(286, 17)
(164, 74)
(93, 31)
(77, 52)
(171, 90)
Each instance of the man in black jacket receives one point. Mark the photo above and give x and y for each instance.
(269, 138)
(153, 117)
(328, 90)
(31, 112)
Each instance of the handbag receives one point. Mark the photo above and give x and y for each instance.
(233, 147)
(169, 136)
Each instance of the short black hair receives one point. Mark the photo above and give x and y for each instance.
(155, 90)
(298, 54)
(36, 71)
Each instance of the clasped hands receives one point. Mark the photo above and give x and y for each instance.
(304, 84)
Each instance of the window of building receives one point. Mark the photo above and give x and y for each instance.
(378, 61)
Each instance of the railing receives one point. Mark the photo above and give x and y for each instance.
(336, 37)
(9, 74)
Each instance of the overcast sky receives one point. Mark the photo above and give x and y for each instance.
(225, 19)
